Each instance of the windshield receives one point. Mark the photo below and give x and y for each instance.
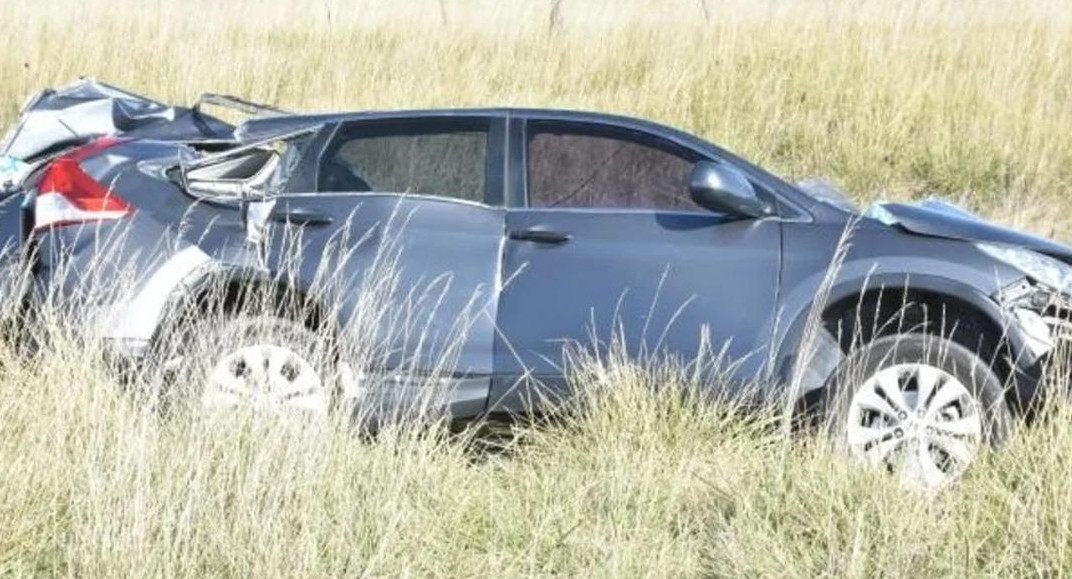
(824, 191)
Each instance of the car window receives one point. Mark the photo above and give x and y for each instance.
(448, 164)
(571, 166)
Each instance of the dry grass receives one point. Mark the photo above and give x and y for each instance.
(891, 99)
(645, 481)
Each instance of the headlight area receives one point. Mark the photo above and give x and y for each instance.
(1044, 314)
(1041, 302)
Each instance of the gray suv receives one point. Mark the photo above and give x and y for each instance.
(920, 328)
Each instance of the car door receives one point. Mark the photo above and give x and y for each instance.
(402, 236)
(605, 244)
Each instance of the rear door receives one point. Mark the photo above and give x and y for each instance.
(402, 236)
(607, 245)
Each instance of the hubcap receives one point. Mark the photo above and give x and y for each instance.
(266, 378)
(917, 420)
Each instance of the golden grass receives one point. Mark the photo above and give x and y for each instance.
(970, 99)
(644, 482)
(967, 99)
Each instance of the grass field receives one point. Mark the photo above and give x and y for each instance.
(967, 99)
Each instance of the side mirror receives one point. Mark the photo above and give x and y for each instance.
(721, 188)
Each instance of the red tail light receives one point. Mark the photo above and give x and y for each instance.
(66, 194)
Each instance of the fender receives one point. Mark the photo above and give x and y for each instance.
(243, 268)
(788, 337)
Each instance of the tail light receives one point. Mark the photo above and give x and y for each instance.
(66, 194)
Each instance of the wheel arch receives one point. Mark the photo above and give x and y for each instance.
(857, 312)
(226, 290)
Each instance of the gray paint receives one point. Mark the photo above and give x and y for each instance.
(648, 278)
(534, 279)
(938, 219)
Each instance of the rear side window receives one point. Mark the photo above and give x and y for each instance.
(448, 164)
(574, 165)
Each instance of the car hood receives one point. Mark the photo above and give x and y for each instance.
(937, 218)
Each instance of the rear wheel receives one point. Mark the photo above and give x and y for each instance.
(918, 405)
(264, 364)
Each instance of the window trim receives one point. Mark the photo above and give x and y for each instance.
(492, 127)
(518, 188)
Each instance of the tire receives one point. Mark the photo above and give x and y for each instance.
(918, 405)
(264, 363)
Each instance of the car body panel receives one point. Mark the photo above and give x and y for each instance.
(431, 265)
(939, 219)
(654, 280)
(437, 260)
(878, 258)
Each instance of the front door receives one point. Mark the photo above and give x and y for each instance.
(611, 249)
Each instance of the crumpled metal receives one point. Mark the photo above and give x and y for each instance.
(87, 109)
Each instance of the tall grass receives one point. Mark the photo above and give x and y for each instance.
(966, 99)
(643, 479)
(891, 99)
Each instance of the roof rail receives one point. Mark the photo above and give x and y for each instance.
(238, 104)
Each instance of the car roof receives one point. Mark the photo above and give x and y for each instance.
(267, 127)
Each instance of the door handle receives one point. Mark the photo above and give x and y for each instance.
(300, 216)
(540, 236)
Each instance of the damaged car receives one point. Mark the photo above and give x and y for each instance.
(921, 330)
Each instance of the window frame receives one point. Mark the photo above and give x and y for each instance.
(392, 126)
(644, 139)
(521, 129)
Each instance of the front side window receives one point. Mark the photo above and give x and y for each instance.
(571, 166)
(447, 164)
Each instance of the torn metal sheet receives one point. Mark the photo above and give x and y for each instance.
(74, 114)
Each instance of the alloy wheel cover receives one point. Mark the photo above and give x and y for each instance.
(917, 420)
(265, 378)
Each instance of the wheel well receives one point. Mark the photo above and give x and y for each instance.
(859, 319)
(279, 299)
(231, 295)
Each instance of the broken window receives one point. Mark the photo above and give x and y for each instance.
(255, 170)
(575, 165)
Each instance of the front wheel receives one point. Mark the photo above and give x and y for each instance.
(920, 406)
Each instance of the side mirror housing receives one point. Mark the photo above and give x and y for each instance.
(721, 188)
